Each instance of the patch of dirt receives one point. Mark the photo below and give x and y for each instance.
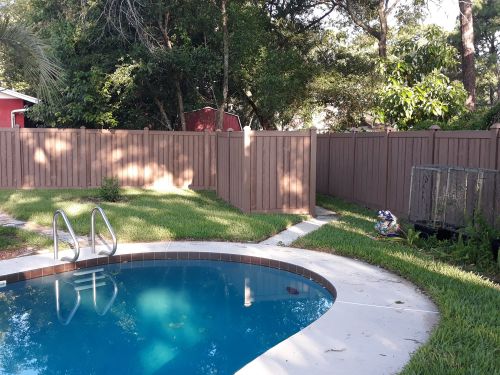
(9, 254)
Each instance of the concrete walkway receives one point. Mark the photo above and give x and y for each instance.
(285, 238)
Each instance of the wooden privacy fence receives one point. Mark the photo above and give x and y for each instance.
(255, 171)
(268, 171)
(374, 169)
(80, 158)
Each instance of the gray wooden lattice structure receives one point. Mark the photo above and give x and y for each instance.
(449, 197)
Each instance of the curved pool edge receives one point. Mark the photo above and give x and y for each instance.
(376, 322)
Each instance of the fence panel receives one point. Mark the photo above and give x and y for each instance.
(405, 149)
(71, 158)
(370, 166)
(267, 171)
(462, 148)
(7, 156)
(374, 169)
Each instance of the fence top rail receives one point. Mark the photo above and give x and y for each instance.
(277, 133)
(109, 131)
(181, 133)
(411, 134)
(230, 134)
(336, 135)
(475, 134)
(49, 130)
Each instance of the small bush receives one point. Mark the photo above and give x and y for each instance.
(110, 189)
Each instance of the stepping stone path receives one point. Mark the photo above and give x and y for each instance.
(285, 238)
(8, 221)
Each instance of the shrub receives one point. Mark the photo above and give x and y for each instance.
(110, 189)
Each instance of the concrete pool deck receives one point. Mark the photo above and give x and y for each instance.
(377, 321)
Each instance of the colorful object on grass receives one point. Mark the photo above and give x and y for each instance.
(387, 224)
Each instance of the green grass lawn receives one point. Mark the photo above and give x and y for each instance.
(13, 239)
(467, 338)
(147, 215)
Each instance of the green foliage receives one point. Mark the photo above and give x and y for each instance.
(474, 243)
(412, 236)
(487, 46)
(346, 84)
(481, 119)
(270, 70)
(417, 88)
(110, 189)
(124, 75)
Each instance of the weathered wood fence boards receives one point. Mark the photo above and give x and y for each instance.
(374, 169)
(267, 171)
(255, 171)
(70, 158)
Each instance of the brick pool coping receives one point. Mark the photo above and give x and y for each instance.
(377, 321)
(169, 255)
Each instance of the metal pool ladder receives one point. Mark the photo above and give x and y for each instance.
(76, 246)
(110, 229)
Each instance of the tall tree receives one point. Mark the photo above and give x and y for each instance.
(154, 23)
(372, 16)
(468, 67)
(225, 80)
(487, 46)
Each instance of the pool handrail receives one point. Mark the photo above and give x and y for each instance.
(76, 245)
(110, 229)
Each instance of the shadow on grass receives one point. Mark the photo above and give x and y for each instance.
(147, 215)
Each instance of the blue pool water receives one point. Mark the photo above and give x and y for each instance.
(167, 317)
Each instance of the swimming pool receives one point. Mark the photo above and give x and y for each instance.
(151, 317)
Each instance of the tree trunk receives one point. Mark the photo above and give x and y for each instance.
(163, 26)
(163, 113)
(382, 40)
(493, 54)
(225, 83)
(180, 104)
(468, 69)
(264, 121)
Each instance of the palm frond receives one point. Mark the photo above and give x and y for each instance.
(31, 54)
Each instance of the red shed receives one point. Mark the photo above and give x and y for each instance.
(204, 119)
(12, 106)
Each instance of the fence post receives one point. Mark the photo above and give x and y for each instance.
(494, 134)
(329, 164)
(385, 164)
(312, 172)
(206, 159)
(217, 133)
(353, 160)
(83, 158)
(432, 141)
(246, 204)
(17, 157)
(229, 131)
(145, 156)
